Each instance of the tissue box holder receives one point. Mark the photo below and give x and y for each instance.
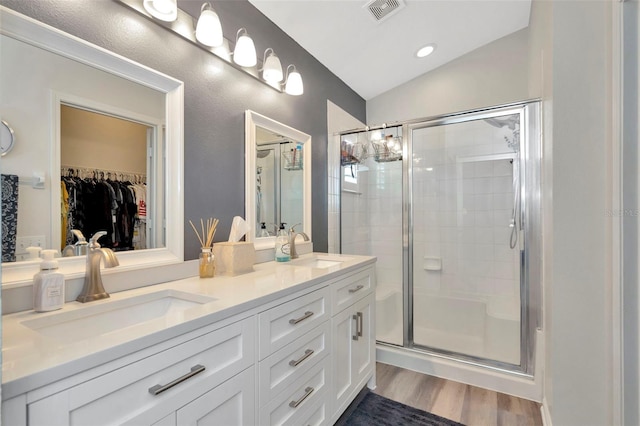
(234, 258)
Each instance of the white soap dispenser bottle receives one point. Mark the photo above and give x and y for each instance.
(282, 245)
(48, 284)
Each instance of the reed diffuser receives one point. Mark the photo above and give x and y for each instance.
(207, 265)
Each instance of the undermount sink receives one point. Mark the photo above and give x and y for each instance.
(320, 262)
(114, 315)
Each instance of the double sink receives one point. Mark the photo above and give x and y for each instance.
(109, 316)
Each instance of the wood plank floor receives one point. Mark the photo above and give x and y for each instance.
(462, 403)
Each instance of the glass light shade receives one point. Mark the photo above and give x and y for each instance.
(165, 10)
(272, 69)
(293, 85)
(244, 53)
(209, 29)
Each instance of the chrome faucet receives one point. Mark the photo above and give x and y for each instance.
(77, 249)
(292, 240)
(93, 288)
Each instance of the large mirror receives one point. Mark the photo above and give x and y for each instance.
(278, 178)
(83, 115)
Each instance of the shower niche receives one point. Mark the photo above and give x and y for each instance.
(454, 225)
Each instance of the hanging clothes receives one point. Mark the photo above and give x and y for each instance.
(99, 204)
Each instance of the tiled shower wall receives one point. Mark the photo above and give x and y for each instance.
(463, 205)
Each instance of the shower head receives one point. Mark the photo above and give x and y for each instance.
(510, 121)
(509, 126)
(263, 153)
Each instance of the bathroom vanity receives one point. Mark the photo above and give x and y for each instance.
(289, 343)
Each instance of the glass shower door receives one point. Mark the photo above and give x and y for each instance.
(465, 256)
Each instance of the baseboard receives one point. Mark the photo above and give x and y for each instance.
(544, 412)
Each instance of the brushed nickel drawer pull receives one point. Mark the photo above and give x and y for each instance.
(359, 325)
(302, 318)
(358, 288)
(355, 336)
(158, 389)
(307, 354)
(308, 391)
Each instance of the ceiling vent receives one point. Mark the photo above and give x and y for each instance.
(382, 9)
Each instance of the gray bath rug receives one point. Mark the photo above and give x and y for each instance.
(369, 409)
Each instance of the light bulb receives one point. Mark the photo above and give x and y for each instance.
(294, 86)
(209, 28)
(244, 53)
(165, 10)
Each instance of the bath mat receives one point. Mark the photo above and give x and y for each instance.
(369, 409)
(9, 217)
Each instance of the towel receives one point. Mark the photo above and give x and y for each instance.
(9, 217)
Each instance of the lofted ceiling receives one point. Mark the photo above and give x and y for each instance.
(372, 56)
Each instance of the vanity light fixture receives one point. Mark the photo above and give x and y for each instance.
(209, 28)
(293, 83)
(271, 67)
(425, 50)
(165, 10)
(244, 53)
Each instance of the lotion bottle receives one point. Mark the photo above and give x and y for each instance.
(48, 284)
(282, 245)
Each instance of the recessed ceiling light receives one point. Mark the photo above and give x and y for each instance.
(426, 50)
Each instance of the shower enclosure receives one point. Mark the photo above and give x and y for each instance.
(450, 207)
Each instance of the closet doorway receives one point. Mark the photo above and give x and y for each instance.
(104, 161)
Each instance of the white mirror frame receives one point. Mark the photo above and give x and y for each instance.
(253, 120)
(38, 34)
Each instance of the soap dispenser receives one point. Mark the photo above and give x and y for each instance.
(48, 284)
(282, 245)
(263, 230)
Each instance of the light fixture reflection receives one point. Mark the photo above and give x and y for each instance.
(293, 84)
(209, 28)
(244, 53)
(271, 67)
(165, 10)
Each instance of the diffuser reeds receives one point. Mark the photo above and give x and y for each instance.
(206, 238)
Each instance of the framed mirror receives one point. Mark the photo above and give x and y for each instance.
(70, 73)
(277, 178)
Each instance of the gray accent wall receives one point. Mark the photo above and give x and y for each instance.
(216, 96)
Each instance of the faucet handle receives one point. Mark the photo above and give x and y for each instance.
(93, 242)
(293, 228)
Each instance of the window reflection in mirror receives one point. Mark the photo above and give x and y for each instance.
(279, 182)
(103, 173)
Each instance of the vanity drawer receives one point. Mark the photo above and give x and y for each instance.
(285, 323)
(126, 395)
(348, 290)
(281, 369)
(316, 415)
(288, 407)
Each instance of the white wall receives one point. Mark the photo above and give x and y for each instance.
(337, 120)
(30, 77)
(494, 74)
(579, 350)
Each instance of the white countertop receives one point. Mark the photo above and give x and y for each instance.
(31, 359)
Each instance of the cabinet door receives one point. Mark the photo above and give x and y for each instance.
(343, 331)
(364, 347)
(353, 349)
(231, 403)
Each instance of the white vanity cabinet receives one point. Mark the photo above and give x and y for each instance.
(353, 338)
(155, 388)
(298, 359)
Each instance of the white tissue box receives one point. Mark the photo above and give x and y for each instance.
(234, 258)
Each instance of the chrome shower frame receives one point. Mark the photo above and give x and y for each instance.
(529, 221)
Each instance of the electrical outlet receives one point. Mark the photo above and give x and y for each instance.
(34, 241)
